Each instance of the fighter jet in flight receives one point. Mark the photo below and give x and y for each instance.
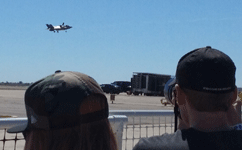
(57, 28)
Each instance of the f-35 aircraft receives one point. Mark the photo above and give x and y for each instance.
(57, 28)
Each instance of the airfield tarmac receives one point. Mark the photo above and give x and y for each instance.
(12, 103)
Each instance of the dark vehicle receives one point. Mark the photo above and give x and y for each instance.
(124, 85)
(110, 88)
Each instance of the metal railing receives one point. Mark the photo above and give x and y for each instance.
(144, 123)
(128, 126)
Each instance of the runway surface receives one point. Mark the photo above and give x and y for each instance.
(12, 103)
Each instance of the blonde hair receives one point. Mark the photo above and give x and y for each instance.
(96, 135)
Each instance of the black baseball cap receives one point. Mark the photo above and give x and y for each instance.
(54, 102)
(206, 69)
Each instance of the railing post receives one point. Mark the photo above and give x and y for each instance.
(117, 123)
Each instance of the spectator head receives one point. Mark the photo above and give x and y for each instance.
(207, 77)
(65, 108)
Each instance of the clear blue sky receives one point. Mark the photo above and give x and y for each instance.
(112, 39)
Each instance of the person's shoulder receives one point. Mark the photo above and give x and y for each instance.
(163, 142)
(216, 140)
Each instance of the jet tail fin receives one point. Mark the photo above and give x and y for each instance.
(49, 25)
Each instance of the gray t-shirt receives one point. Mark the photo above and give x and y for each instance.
(194, 140)
(164, 142)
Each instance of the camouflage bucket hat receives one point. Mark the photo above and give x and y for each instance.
(54, 101)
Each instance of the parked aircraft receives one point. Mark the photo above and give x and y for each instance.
(57, 28)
